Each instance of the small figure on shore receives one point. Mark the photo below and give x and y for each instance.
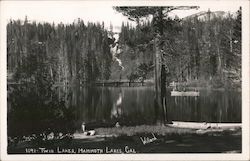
(83, 126)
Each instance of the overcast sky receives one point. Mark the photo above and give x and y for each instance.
(67, 12)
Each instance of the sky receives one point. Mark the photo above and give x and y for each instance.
(67, 12)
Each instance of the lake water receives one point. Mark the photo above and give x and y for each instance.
(130, 106)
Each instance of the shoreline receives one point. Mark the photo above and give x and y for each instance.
(145, 85)
(172, 140)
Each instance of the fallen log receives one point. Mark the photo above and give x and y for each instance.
(204, 125)
(88, 137)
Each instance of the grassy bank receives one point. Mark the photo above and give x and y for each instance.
(163, 130)
(134, 130)
(130, 140)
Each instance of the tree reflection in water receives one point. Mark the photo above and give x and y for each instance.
(30, 113)
(117, 108)
(62, 110)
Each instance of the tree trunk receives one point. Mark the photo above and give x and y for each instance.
(157, 69)
(231, 41)
(160, 73)
(157, 75)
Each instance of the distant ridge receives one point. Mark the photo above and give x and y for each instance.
(206, 15)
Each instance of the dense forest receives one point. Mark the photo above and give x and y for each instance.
(65, 53)
(203, 49)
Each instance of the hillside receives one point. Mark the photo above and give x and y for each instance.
(192, 49)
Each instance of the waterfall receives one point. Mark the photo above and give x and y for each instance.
(114, 49)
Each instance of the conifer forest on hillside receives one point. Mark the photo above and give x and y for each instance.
(204, 48)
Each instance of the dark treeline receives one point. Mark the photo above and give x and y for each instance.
(203, 49)
(68, 53)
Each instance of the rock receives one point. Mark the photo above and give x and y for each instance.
(91, 132)
(117, 125)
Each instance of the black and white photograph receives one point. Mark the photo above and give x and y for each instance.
(112, 78)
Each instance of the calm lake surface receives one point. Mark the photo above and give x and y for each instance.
(135, 105)
(105, 106)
